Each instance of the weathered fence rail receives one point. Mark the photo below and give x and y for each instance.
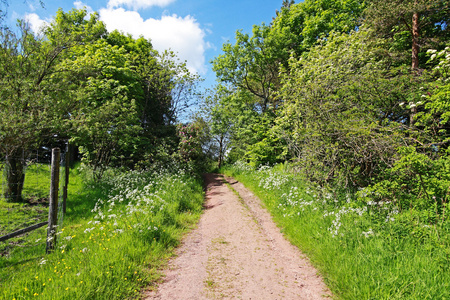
(22, 231)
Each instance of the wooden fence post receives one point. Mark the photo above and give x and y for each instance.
(53, 206)
(66, 176)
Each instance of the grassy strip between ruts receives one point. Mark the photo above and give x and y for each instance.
(116, 235)
(363, 251)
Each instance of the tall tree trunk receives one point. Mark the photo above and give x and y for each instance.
(415, 41)
(220, 152)
(414, 56)
(15, 176)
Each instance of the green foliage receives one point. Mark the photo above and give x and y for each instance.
(220, 118)
(33, 106)
(341, 116)
(393, 20)
(74, 28)
(306, 24)
(105, 121)
(436, 100)
(114, 96)
(252, 67)
(251, 64)
(238, 129)
(27, 111)
(419, 178)
(266, 146)
(415, 181)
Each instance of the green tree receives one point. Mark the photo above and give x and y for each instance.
(33, 107)
(105, 119)
(238, 128)
(412, 24)
(434, 118)
(342, 118)
(300, 26)
(168, 90)
(155, 108)
(251, 64)
(219, 117)
(30, 107)
(154, 102)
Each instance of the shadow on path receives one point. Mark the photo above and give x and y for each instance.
(212, 180)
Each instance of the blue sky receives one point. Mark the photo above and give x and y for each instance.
(195, 29)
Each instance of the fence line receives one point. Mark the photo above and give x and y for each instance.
(36, 165)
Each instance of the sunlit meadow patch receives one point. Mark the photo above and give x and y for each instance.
(116, 250)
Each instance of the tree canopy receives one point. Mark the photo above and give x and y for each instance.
(113, 96)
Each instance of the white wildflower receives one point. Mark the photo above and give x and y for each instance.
(367, 233)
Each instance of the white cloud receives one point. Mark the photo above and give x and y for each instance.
(181, 35)
(36, 23)
(81, 5)
(138, 4)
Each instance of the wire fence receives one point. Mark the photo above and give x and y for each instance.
(25, 182)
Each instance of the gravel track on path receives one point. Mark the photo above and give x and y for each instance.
(237, 252)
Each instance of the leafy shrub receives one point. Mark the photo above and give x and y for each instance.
(416, 181)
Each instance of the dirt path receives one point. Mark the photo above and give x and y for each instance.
(238, 253)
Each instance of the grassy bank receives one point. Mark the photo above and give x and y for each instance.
(364, 250)
(115, 236)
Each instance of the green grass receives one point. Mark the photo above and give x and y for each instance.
(115, 237)
(15, 216)
(37, 182)
(401, 259)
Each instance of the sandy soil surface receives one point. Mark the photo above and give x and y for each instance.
(237, 252)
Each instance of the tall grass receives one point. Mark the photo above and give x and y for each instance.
(116, 235)
(363, 250)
